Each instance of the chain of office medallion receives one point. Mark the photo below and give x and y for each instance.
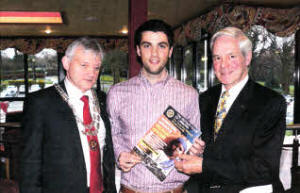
(96, 113)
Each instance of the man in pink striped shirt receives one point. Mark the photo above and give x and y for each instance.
(136, 104)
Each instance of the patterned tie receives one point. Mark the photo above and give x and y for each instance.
(221, 113)
(96, 185)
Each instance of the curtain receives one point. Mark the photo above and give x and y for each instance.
(281, 22)
(35, 45)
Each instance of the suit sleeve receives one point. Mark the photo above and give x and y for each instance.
(261, 166)
(31, 157)
(108, 154)
(206, 118)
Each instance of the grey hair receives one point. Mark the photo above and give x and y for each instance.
(245, 43)
(88, 44)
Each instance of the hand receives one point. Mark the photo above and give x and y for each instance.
(128, 160)
(197, 148)
(189, 164)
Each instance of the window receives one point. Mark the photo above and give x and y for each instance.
(114, 68)
(41, 70)
(192, 64)
(12, 79)
(182, 65)
(273, 64)
(175, 63)
(188, 65)
(204, 73)
(12, 73)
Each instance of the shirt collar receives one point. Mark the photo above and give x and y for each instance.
(236, 89)
(74, 92)
(145, 80)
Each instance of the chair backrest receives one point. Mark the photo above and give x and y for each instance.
(8, 186)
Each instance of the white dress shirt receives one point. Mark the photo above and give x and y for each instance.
(234, 92)
(74, 95)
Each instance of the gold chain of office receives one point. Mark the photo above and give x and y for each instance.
(95, 115)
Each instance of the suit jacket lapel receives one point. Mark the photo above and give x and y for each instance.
(104, 116)
(215, 99)
(211, 108)
(238, 108)
(73, 128)
(64, 108)
(102, 106)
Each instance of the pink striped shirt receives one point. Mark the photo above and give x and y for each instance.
(133, 107)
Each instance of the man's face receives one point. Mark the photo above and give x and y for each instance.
(83, 68)
(154, 51)
(229, 63)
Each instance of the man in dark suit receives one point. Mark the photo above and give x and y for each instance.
(243, 131)
(66, 137)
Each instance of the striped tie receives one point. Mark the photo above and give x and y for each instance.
(221, 113)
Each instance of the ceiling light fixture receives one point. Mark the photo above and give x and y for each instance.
(32, 17)
(124, 30)
(48, 30)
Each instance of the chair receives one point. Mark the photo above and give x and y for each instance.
(8, 186)
(9, 151)
(5, 155)
(295, 169)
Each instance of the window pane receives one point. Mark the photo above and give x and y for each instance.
(202, 66)
(12, 73)
(114, 69)
(187, 72)
(15, 106)
(273, 64)
(177, 58)
(42, 70)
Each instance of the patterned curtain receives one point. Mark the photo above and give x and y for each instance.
(35, 45)
(281, 22)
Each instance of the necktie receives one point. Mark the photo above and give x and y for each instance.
(221, 113)
(96, 185)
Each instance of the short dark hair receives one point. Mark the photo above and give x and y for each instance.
(154, 25)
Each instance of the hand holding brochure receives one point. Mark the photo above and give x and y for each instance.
(170, 135)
